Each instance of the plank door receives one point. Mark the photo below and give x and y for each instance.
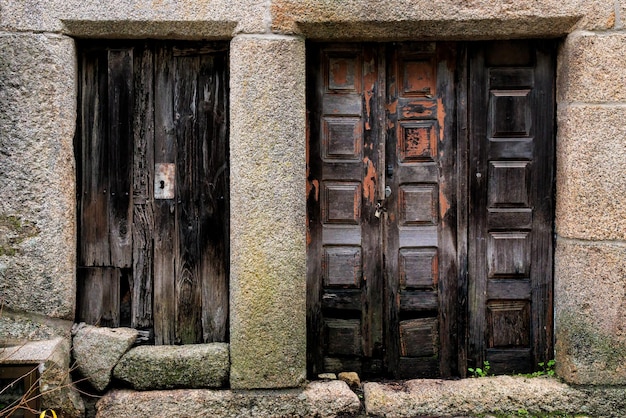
(345, 272)
(152, 156)
(511, 180)
(377, 119)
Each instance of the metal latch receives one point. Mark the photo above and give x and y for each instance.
(164, 180)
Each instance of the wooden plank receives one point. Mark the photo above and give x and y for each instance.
(143, 172)
(188, 283)
(508, 361)
(477, 203)
(98, 296)
(120, 152)
(93, 216)
(416, 301)
(462, 160)
(542, 195)
(164, 210)
(347, 300)
(315, 356)
(374, 86)
(447, 204)
(417, 367)
(214, 195)
(392, 246)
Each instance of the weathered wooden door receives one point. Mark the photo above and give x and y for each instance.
(381, 256)
(511, 187)
(429, 207)
(152, 155)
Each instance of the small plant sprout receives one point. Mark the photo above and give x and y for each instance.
(480, 372)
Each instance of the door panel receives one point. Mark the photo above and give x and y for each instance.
(367, 315)
(420, 225)
(153, 181)
(510, 209)
(345, 321)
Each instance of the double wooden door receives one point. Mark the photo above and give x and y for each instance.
(429, 204)
(152, 156)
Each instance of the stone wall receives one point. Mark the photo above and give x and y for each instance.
(37, 176)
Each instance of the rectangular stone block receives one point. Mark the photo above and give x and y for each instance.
(267, 172)
(135, 19)
(37, 175)
(591, 172)
(590, 299)
(459, 19)
(591, 68)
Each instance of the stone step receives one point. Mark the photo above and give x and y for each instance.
(317, 399)
(168, 367)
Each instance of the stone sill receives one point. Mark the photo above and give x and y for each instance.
(33, 352)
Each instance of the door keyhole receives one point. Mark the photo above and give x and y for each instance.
(162, 184)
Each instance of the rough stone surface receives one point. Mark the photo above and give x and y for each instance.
(97, 351)
(423, 19)
(590, 68)
(20, 327)
(136, 19)
(351, 378)
(502, 395)
(591, 172)
(598, 15)
(318, 399)
(165, 367)
(268, 253)
(37, 209)
(51, 357)
(590, 281)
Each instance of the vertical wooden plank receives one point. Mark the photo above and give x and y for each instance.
(448, 271)
(99, 296)
(315, 92)
(213, 185)
(477, 268)
(371, 226)
(143, 172)
(188, 290)
(392, 285)
(120, 152)
(93, 216)
(462, 159)
(542, 195)
(164, 209)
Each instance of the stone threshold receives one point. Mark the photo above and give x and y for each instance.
(500, 396)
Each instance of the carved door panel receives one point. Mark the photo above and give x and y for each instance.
(511, 187)
(152, 156)
(378, 210)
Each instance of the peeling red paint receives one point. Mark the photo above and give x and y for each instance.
(368, 99)
(392, 107)
(369, 181)
(441, 116)
(444, 205)
(369, 80)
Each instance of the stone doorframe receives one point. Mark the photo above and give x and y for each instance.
(268, 121)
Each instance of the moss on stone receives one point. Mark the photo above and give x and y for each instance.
(14, 231)
(590, 357)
